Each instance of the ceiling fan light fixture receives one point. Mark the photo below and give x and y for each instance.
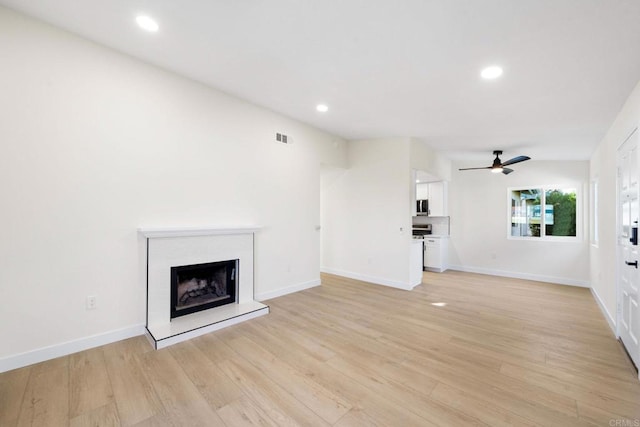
(498, 165)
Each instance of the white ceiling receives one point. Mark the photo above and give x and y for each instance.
(395, 67)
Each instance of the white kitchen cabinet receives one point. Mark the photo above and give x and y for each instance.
(435, 253)
(438, 198)
(422, 191)
(436, 193)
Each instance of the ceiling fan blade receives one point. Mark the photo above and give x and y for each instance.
(506, 171)
(471, 169)
(516, 160)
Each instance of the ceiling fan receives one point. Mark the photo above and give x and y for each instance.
(498, 166)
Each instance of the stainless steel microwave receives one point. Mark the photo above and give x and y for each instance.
(422, 207)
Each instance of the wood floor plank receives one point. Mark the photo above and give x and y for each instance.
(12, 388)
(212, 346)
(290, 336)
(619, 367)
(105, 416)
(244, 413)
(320, 400)
(582, 389)
(387, 413)
(89, 383)
(487, 412)
(218, 389)
(310, 367)
(593, 367)
(357, 417)
(603, 417)
(385, 361)
(134, 395)
(176, 392)
(196, 413)
(273, 399)
(403, 397)
(46, 399)
(499, 386)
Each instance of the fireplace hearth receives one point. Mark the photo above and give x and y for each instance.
(203, 286)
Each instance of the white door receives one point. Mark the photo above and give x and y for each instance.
(628, 255)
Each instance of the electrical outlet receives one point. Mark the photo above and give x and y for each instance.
(91, 302)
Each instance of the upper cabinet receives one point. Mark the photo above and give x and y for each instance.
(422, 191)
(436, 193)
(427, 186)
(438, 198)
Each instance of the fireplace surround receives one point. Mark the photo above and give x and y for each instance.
(200, 259)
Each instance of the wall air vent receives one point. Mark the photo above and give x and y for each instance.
(280, 137)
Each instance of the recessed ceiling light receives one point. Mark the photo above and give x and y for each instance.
(322, 108)
(491, 73)
(147, 23)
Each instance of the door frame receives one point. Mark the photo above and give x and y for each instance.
(619, 257)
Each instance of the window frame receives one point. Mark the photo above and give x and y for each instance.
(543, 237)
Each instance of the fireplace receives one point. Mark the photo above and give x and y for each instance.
(199, 258)
(200, 287)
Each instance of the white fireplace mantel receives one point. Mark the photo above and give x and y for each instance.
(158, 232)
(175, 246)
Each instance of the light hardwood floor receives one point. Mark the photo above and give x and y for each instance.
(500, 352)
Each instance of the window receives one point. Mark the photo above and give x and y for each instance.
(544, 213)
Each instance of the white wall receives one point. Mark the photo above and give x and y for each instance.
(96, 144)
(423, 158)
(478, 209)
(363, 209)
(603, 168)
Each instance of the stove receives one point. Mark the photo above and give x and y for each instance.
(421, 230)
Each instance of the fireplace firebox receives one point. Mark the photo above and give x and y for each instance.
(200, 287)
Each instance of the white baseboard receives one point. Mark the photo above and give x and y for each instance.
(47, 353)
(370, 279)
(525, 276)
(610, 319)
(288, 290)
